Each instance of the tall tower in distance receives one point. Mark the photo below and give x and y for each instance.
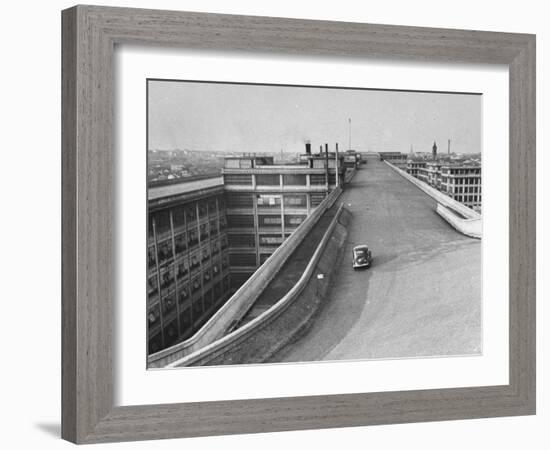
(434, 151)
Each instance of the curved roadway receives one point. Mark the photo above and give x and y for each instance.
(422, 295)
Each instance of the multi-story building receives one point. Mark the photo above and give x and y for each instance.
(413, 166)
(267, 202)
(206, 237)
(188, 259)
(430, 173)
(460, 180)
(462, 183)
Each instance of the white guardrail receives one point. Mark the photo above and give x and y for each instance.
(246, 295)
(236, 337)
(459, 216)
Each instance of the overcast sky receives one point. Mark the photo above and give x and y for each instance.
(249, 118)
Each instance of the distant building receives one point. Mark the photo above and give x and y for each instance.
(430, 173)
(462, 183)
(396, 158)
(413, 166)
(460, 179)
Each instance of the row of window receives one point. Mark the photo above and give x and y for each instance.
(266, 201)
(167, 250)
(464, 190)
(179, 217)
(473, 180)
(265, 221)
(469, 171)
(180, 325)
(182, 268)
(187, 293)
(428, 171)
(276, 180)
(266, 179)
(468, 198)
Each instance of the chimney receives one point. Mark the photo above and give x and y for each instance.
(320, 149)
(449, 147)
(336, 165)
(326, 168)
(308, 147)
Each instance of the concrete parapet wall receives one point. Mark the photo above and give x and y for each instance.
(240, 302)
(460, 217)
(251, 343)
(469, 227)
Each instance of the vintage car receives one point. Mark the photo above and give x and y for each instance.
(362, 256)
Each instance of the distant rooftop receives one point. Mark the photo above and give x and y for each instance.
(183, 187)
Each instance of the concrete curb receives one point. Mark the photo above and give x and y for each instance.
(469, 227)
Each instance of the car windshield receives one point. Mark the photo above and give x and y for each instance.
(360, 252)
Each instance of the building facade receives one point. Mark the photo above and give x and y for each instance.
(463, 184)
(392, 156)
(187, 260)
(267, 202)
(458, 179)
(414, 166)
(430, 173)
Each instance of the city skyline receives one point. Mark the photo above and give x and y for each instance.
(225, 117)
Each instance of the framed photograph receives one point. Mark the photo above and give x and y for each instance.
(278, 224)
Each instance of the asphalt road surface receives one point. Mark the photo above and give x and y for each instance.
(422, 295)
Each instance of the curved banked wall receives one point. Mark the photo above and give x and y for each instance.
(249, 344)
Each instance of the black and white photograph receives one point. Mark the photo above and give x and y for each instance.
(291, 224)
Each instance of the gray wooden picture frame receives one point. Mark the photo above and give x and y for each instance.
(89, 37)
